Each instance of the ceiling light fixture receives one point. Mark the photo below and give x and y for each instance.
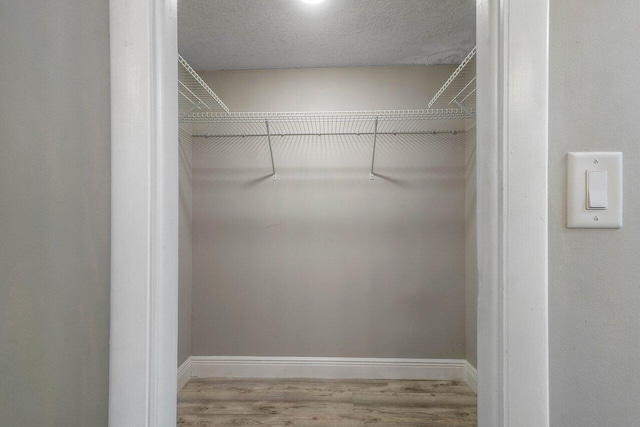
(313, 1)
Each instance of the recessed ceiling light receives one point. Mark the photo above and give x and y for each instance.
(313, 1)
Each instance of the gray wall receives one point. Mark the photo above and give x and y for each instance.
(326, 89)
(54, 213)
(470, 244)
(184, 245)
(594, 274)
(323, 261)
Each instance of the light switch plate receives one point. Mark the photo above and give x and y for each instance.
(578, 167)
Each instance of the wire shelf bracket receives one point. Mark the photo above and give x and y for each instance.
(195, 91)
(373, 155)
(460, 87)
(273, 166)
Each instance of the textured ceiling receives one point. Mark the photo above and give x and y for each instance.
(252, 34)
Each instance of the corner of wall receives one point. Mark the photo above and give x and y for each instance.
(471, 264)
(185, 141)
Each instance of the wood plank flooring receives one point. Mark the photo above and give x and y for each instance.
(310, 402)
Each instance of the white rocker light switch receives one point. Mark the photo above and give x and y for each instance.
(594, 190)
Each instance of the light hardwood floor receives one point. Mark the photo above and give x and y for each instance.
(308, 402)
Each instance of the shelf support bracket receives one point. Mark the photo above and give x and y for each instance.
(373, 157)
(273, 166)
(196, 105)
(463, 108)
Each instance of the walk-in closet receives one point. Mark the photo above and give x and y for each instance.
(327, 249)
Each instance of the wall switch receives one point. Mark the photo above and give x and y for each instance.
(594, 190)
(597, 189)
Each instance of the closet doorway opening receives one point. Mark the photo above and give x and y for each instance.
(314, 215)
(327, 214)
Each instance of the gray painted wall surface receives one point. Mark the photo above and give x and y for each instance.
(326, 89)
(470, 244)
(184, 245)
(323, 261)
(594, 274)
(54, 213)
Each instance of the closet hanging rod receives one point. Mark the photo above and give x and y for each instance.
(438, 132)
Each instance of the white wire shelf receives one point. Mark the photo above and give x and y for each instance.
(425, 114)
(460, 88)
(447, 112)
(454, 102)
(193, 93)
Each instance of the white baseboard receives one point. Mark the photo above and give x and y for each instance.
(471, 376)
(184, 373)
(329, 367)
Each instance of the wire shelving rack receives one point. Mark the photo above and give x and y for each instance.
(211, 118)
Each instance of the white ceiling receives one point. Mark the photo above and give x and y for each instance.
(254, 34)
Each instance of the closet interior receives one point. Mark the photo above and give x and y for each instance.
(327, 228)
